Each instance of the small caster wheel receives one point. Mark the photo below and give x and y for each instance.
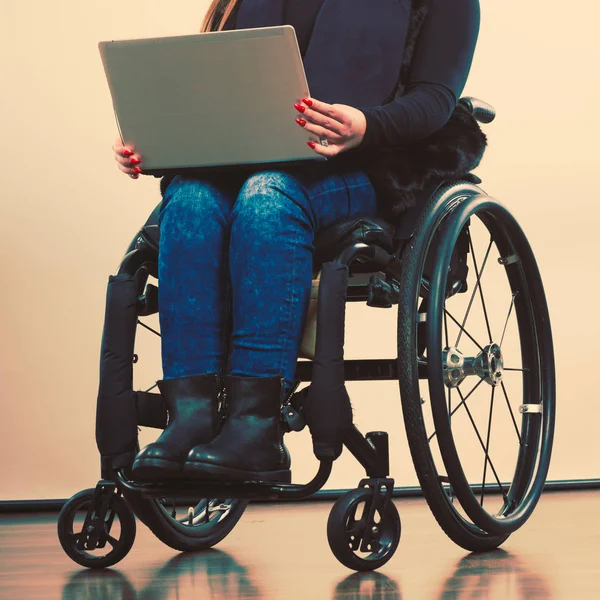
(348, 531)
(117, 530)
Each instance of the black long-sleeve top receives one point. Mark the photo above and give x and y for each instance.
(439, 71)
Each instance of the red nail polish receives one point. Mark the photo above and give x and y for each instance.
(300, 107)
(307, 101)
(135, 161)
(127, 152)
(301, 122)
(311, 144)
(136, 170)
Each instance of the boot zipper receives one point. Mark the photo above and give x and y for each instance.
(290, 418)
(280, 422)
(292, 391)
(224, 405)
(285, 402)
(222, 396)
(282, 455)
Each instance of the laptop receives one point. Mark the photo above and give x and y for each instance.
(212, 99)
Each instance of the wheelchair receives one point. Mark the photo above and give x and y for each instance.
(457, 387)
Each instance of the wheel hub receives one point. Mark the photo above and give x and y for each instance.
(488, 365)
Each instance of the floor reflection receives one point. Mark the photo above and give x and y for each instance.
(209, 574)
(215, 574)
(492, 575)
(367, 586)
(496, 574)
(102, 583)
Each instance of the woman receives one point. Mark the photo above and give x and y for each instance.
(241, 243)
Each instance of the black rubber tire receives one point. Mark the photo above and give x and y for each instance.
(67, 538)
(183, 537)
(338, 535)
(459, 530)
(535, 336)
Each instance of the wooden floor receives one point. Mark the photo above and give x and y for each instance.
(281, 551)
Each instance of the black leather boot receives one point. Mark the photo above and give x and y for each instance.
(193, 407)
(250, 445)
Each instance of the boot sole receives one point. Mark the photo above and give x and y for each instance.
(203, 471)
(154, 469)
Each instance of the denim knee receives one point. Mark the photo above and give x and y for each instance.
(267, 200)
(194, 204)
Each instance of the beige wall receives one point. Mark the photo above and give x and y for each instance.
(68, 216)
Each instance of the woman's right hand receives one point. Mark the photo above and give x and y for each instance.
(127, 160)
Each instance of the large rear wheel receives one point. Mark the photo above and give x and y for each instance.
(487, 446)
(490, 367)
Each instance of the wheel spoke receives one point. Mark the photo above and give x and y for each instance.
(510, 410)
(464, 331)
(447, 342)
(221, 507)
(487, 457)
(512, 303)
(487, 446)
(149, 328)
(487, 322)
(446, 324)
(509, 369)
(474, 291)
(463, 400)
(461, 403)
(111, 540)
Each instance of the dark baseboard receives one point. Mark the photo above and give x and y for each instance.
(24, 506)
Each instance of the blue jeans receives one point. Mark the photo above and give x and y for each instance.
(235, 265)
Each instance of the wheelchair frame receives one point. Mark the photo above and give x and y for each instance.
(449, 208)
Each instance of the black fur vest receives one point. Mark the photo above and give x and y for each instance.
(400, 176)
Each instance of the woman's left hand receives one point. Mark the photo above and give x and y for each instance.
(343, 126)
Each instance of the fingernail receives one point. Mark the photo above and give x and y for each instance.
(311, 144)
(127, 152)
(300, 107)
(136, 170)
(134, 176)
(135, 161)
(307, 101)
(301, 122)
